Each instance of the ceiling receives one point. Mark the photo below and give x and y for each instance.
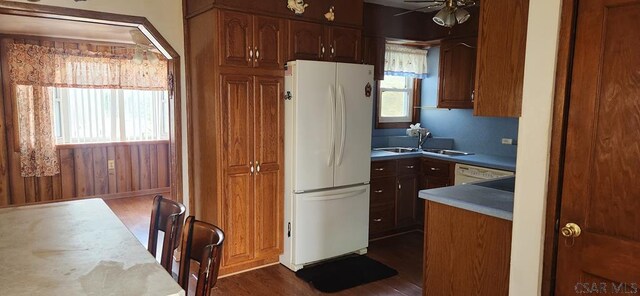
(400, 4)
(33, 26)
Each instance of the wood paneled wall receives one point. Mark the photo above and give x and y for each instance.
(139, 168)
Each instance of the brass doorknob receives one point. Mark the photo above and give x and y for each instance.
(571, 230)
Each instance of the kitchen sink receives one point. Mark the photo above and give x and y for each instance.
(397, 149)
(448, 152)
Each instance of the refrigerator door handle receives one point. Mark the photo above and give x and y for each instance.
(343, 134)
(320, 197)
(331, 141)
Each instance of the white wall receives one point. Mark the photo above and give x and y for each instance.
(166, 16)
(534, 137)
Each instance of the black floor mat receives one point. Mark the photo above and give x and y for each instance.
(345, 273)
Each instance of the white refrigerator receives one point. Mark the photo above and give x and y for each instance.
(328, 119)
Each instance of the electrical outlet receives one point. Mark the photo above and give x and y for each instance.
(111, 164)
(507, 141)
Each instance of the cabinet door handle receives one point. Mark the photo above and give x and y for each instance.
(321, 50)
(333, 51)
(399, 186)
(250, 53)
(473, 94)
(257, 53)
(251, 168)
(377, 220)
(434, 169)
(379, 191)
(257, 167)
(410, 166)
(379, 169)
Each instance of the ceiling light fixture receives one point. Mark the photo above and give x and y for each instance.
(451, 14)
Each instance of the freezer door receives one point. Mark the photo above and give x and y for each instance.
(353, 125)
(330, 223)
(313, 125)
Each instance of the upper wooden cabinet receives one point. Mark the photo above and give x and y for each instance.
(251, 41)
(311, 41)
(306, 41)
(500, 61)
(344, 44)
(347, 12)
(373, 54)
(457, 73)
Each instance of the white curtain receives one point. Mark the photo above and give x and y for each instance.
(405, 61)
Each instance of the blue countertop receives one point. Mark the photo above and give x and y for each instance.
(483, 160)
(479, 198)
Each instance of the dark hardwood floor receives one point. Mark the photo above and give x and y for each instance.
(403, 252)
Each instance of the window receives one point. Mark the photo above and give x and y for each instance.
(396, 99)
(83, 115)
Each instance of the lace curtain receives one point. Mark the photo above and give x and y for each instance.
(34, 68)
(405, 61)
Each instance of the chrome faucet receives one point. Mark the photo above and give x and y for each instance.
(423, 138)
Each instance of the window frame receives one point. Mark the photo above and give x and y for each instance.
(414, 109)
(61, 96)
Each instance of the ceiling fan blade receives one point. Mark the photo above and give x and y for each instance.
(417, 9)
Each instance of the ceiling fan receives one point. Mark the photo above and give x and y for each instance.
(451, 11)
(143, 47)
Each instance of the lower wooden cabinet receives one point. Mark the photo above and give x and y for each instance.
(466, 253)
(252, 198)
(394, 202)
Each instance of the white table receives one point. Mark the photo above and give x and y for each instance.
(75, 248)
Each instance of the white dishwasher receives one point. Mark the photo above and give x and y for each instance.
(468, 173)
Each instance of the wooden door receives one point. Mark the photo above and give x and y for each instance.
(602, 160)
(306, 41)
(235, 33)
(457, 73)
(269, 42)
(406, 200)
(269, 156)
(238, 150)
(344, 44)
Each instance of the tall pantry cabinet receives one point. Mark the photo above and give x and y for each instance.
(235, 68)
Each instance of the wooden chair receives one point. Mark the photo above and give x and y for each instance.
(167, 216)
(201, 242)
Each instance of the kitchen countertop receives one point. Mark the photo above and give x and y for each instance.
(491, 198)
(483, 160)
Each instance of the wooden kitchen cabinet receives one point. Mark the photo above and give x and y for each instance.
(500, 58)
(237, 132)
(344, 44)
(306, 41)
(435, 174)
(251, 41)
(457, 73)
(252, 192)
(312, 41)
(466, 253)
(393, 197)
(373, 54)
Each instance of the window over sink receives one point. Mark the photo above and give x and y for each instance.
(397, 97)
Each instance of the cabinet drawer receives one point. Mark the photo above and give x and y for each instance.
(383, 168)
(381, 218)
(408, 166)
(383, 190)
(436, 168)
